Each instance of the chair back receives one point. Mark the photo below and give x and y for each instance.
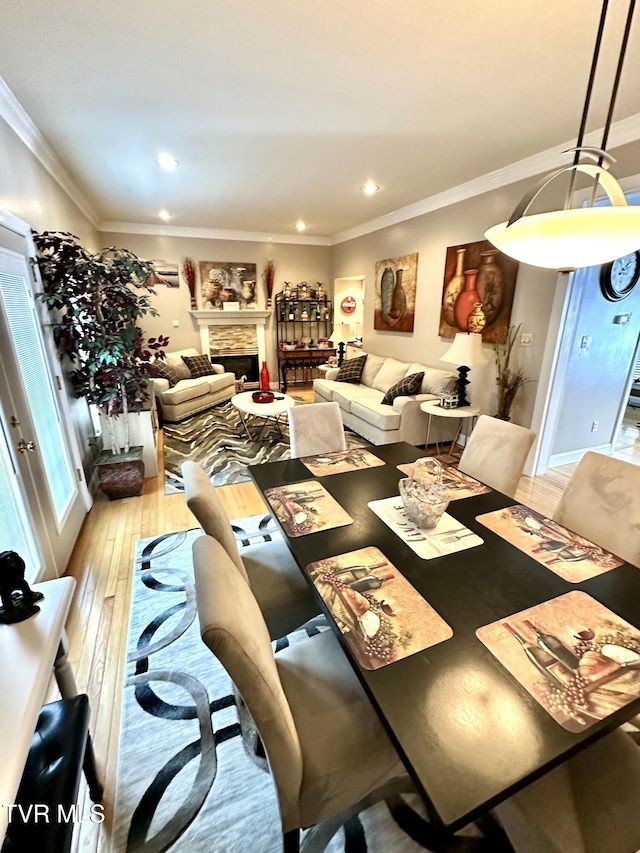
(495, 453)
(602, 503)
(316, 428)
(233, 627)
(204, 503)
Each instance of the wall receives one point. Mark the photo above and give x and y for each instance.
(294, 263)
(430, 235)
(28, 191)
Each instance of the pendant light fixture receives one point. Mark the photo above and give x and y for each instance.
(581, 237)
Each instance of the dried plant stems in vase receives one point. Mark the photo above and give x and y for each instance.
(189, 273)
(509, 379)
(268, 276)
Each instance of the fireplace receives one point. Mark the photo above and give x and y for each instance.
(241, 364)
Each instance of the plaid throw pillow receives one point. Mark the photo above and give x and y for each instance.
(405, 388)
(199, 365)
(165, 371)
(351, 370)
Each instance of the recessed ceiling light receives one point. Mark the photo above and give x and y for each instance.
(369, 189)
(300, 226)
(164, 214)
(167, 161)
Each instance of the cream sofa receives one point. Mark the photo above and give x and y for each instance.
(189, 396)
(363, 412)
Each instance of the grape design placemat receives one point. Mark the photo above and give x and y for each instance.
(306, 507)
(572, 557)
(354, 459)
(381, 616)
(446, 537)
(458, 485)
(576, 658)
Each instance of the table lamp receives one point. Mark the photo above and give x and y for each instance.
(465, 351)
(341, 336)
(357, 330)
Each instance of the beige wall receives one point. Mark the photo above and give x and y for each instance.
(28, 191)
(294, 263)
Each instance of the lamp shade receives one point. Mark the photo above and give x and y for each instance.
(466, 349)
(341, 333)
(568, 239)
(357, 330)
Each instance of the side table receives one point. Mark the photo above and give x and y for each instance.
(463, 413)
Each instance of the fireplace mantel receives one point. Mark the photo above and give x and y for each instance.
(215, 317)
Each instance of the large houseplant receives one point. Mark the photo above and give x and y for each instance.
(96, 301)
(509, 379)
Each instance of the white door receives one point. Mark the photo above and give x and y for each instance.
(37, 441)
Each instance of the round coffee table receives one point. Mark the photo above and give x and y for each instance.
(432, 408)
(267, 412)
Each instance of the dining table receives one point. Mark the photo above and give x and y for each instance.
(468, 733)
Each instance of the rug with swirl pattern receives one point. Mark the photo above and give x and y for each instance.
(216, 439)
(186, 782)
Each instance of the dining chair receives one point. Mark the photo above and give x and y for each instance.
(589, 804)
(316, 428)
(495, 453)
(327, 750)
(602, 503)
(283, 595)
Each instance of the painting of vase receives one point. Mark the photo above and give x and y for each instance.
(479, 283)
(395, 299)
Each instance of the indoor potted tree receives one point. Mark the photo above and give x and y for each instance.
(509, 379)
(96, 301)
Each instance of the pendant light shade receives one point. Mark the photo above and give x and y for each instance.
(581, 237)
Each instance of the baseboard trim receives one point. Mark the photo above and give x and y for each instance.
(558, 459)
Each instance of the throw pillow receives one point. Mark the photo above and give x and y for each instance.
(199, 365)
(165, 371)
(351, 370)
(407, 386)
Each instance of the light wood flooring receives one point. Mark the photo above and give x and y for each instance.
(102, 564)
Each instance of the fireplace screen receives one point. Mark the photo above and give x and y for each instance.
(239, 365)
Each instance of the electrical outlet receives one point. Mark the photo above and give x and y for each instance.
(594, 426)
(526, 339)
(176, 323)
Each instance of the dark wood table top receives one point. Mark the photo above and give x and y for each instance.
(468, 733)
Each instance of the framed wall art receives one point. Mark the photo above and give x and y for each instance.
(222, 282)
(477, 293)
(395, 298)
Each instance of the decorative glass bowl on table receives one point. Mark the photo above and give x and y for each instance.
(424, 497)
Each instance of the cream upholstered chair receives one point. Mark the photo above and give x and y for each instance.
(495, 453)
(316, 428)
(602, 503)
(327, 749)
(590, 804)
(283, 595)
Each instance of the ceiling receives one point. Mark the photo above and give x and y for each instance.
(280, 110)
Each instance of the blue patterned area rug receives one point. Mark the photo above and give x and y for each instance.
(186, 782)
(216, 440)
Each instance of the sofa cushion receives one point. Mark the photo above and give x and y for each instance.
(165, 371)
(185, 390)
(373, 412)
(371, 368)
(175, 360)
(351, 370)
(434, 381)
(405, 388)
(392, 371)
(346, 393)
(199, 365)
(218, 381)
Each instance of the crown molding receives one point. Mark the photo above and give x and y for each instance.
(622, 132)
(12, 111)
(210, 233)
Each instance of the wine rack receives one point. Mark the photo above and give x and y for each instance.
(300, 324)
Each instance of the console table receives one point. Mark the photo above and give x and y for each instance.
(31, 651)
(304, 359)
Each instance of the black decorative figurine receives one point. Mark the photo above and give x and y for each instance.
(18, 600)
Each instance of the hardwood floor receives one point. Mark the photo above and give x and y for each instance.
(102, 564)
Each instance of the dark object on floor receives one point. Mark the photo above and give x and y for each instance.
(18, 600)
(60, 749)
(121, 475)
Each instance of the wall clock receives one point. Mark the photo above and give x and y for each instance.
(348, 305)
(618, 278)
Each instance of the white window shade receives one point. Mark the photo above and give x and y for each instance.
(15, 531)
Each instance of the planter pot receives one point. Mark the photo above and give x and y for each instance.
(122, 475)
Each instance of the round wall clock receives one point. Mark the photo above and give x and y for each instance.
(348, 305)
(618, 278)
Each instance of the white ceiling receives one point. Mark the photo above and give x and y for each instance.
(279, 110)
